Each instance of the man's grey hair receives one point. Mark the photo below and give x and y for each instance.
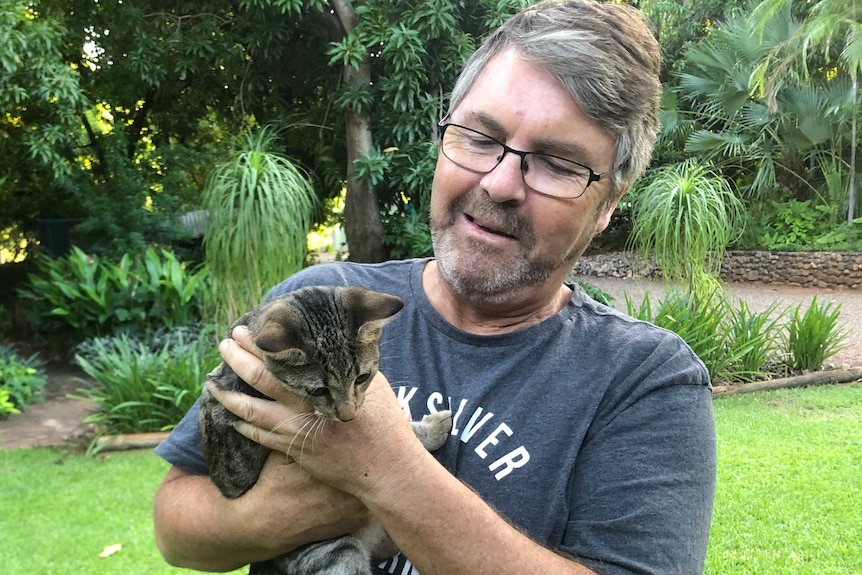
(604, 56)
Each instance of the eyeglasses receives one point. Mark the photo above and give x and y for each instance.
(543, 173)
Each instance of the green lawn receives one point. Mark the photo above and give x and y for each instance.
(789, 498)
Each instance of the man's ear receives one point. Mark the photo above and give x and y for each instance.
(607, 210)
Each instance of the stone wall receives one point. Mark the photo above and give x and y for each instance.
(808, 269)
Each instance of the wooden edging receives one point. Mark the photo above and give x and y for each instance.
(815, 378)
(130, 441)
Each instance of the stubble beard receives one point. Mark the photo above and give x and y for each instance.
(475, 271)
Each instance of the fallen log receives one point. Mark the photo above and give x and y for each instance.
(815, 378)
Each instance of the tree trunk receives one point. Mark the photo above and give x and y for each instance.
(851, 198)
(362, 222)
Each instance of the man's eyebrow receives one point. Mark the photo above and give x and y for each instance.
(565, 149)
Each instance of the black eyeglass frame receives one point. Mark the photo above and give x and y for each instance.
(593, 176)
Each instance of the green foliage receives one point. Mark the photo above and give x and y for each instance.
(841, 237)
(407, 234)
(686, 216)
(261, 207)
(126, 206)
(596, 292)
(795, 225)
(739, 345)
(22, 380)
(147, 383)
(792, 139)
(40, 95)
(678, 25)
(815, 336)
(790, 225)
(84, 295)
(792, 134)
(6, 405)
(755, 335)
(161, 85)
(734, 344)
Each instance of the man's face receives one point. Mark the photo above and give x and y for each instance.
(492, 234)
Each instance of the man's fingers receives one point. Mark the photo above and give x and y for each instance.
(250, 368)
(256, 434)
(246, 407)
(241, 334)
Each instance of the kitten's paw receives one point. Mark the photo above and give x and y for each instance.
(434, 429)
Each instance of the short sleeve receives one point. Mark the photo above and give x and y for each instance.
(642, 491)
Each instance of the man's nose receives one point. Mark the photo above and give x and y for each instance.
(505, 183)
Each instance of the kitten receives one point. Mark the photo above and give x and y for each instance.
(322, 343)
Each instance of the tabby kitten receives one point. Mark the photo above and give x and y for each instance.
(322, 343)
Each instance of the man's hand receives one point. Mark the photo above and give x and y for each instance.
(351, 456)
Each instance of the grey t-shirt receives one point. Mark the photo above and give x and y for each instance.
(591, 431)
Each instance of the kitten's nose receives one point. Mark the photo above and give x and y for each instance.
(346, 412)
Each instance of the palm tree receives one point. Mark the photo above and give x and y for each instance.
(828, 23)
(762, 149)
(685, 217)
(260, 209)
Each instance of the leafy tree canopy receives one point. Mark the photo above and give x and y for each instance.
(123, 107)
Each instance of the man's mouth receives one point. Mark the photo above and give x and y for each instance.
(489, 230)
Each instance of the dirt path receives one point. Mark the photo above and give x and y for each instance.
(59, 420)
(56, 421)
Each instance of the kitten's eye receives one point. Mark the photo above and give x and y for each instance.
(318, 392)
(361, 378)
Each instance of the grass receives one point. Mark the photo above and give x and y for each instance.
(789, 483)
(61, 510)
(788, 499)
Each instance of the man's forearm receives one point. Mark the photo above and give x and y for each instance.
(197, 528)
(447, 529)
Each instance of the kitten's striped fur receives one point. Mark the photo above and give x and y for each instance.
(322, 343)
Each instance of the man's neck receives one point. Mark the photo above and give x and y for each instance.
(523, 309)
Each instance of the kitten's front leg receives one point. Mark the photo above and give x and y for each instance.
(434, 429)
(234, 461)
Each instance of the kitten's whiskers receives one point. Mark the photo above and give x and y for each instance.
(311, 422)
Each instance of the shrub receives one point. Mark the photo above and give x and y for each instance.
(145, 384)
(815, 336)
(87, 295)
(754, 336)
(22, 381)
(733, 344)
(790, 225)
(261, 206)
(737, 344)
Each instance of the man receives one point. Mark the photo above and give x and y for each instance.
(582, 439)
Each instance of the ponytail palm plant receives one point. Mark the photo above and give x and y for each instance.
(685, 217)
(260, 209)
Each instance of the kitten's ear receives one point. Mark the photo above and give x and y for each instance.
(373, 309)
(278, 330)
(374, 305)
